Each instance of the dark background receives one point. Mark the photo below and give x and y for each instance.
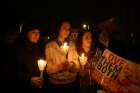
(18, 11)
(126, 13)
(126, 42)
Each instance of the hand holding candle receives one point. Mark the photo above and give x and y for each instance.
(41, 64)
(83, 59)
(65, 47)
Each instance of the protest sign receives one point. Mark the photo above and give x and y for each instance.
(117, 74)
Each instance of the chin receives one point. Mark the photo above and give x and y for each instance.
(35, 42)
(66, 37)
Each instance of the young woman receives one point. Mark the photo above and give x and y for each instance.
(62, 78)
(27, 53)
(84, 46)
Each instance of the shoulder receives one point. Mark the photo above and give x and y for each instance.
(72, 45)
(51, 44)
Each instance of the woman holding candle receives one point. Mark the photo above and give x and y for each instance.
(27, 53)
(83, 54)
(61, 76)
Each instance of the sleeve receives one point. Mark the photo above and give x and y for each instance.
(73, 56)
(51, 66)
(23, 75)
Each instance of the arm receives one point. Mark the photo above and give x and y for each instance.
(73, 57)
(23, 75)
(52, 67)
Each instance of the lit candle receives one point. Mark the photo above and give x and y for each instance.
(41, 64)
(83, 59)
(101, 91)
(65, 47)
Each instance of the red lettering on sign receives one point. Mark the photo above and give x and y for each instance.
(115, 60)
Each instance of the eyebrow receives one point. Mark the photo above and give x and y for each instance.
(36, 32)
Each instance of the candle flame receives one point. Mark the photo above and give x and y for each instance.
(83, 59)
(82, 56)
(65, 47)
(65, 44)
(41, 64)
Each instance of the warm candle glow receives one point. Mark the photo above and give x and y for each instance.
(84, 26)
(41, 64)
(65, 47)
(83, 59)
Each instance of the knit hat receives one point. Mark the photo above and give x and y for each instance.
(30, 26)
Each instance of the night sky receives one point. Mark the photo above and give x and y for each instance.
(16, 12)
(77, 10)
(94, 10)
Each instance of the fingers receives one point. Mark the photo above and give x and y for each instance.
(36, 81)
(63, 66)
(70, 66)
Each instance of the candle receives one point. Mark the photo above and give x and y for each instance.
(83, 59)
(41, 64)
(101, 91)
(65, 47)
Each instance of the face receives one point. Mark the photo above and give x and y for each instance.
(87, 39)
(64, 30)
(33, 35)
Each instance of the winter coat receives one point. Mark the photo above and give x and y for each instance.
(27, 55)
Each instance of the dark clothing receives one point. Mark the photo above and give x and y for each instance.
(73, 87)
(8, 69)
(87, 84)
(27, 55)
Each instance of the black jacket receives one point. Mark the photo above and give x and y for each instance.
(27, 55)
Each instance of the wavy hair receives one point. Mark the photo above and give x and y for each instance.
(79, 42)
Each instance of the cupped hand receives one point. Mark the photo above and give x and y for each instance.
(36, 81)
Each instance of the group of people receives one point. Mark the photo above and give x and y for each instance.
(64, 72)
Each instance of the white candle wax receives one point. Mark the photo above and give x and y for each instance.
(65, 47)
(41, 64)
(83, 59)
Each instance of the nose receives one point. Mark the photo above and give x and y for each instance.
(37, 34)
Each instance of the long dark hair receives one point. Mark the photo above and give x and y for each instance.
(58, 25)
(79, 43)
